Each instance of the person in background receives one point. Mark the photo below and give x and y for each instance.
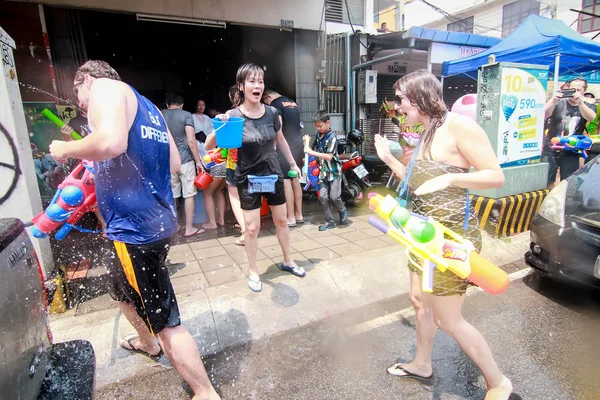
(384, 28)
(592, 129)
(214, 198)
(231, 165)
(568, 117)
(47, 170)
(181, 126)
(257, 156)
(292, 131)
(324, 149)
(203, 125)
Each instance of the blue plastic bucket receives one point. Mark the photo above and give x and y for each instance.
(229, 133)
(261, 184)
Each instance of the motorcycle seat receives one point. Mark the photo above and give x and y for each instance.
(372, 159)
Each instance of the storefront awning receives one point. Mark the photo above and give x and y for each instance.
(424, 36)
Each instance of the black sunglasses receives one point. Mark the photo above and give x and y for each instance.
(398, 99)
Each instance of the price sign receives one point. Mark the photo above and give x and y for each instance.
(521, 125)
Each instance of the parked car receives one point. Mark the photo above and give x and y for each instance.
(31, 365)
(565, 233)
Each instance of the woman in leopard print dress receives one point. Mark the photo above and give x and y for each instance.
(449, 145)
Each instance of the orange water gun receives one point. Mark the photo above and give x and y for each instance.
(425, 239)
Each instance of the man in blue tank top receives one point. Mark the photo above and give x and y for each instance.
(134, 155)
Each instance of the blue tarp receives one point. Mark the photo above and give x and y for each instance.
(537, 41)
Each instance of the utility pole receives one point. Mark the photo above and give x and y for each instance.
(400, 16)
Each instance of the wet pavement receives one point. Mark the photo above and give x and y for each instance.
(543, 334)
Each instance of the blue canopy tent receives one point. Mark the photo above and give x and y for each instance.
(537, 40)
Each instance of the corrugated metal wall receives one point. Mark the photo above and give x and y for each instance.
(307, 89)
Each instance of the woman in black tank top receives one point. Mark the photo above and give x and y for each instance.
(440, 175)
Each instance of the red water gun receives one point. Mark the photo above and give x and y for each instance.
(75, 196)
(216, 156)
(312, 178)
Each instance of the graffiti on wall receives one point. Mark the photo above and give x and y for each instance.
(10, 167)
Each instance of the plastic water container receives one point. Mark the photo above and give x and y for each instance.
(262, 184)
(202, 180)
(229, 133)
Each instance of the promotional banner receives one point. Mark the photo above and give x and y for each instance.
(521, 122)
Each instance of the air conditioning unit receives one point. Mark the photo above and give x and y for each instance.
(367, 87)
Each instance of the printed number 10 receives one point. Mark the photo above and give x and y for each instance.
(514, 83)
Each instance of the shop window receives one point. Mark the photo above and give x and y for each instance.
(464, 25)
(588, 23)
(514, 14)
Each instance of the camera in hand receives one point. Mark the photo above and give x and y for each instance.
(567, 93)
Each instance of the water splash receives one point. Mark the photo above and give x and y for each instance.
(55, 97)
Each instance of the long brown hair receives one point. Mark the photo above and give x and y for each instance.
(424, 91)
(244, 72)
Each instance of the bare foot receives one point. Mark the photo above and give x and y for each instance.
(210, 226)
(500, 392)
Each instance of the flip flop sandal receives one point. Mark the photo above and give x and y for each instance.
(198, 232)
(291, 225)
(296, 270)
(299, 221)
(399, 371)
(254, 285)
(239, 241)
(133, 349)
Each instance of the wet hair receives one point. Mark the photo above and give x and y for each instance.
(174, 99)
(244, 72)
(424, 91)
(321, 116)
(96, 69)
(269, 91)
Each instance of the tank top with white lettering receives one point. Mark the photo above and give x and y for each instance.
(134, 189)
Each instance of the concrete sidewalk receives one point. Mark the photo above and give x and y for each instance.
(347, 267)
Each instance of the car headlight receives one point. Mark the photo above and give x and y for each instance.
(553, 206)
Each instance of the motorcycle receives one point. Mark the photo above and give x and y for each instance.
(355, 179)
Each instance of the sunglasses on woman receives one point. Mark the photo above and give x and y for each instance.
(398, 99)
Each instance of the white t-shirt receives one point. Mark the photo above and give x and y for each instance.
(203, 123)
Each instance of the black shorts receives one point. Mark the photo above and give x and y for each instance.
(138, 276)
(253, 201)
(298, 155)
(568, 162)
